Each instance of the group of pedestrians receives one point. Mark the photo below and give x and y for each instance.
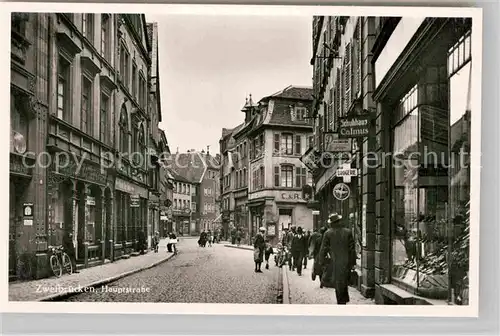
(331, 246)
(171, 242)
(206, 237)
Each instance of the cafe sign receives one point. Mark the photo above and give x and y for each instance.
(354, 127)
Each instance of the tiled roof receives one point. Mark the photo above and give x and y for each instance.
(177, 177)
(188, 165)
(192, 166)
(294, 92)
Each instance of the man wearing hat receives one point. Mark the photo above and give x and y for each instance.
(259, 246)
(338, 242)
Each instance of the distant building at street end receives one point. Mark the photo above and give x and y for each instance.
(276, 133)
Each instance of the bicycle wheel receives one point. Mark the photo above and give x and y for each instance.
(55, 265)
(66, 263)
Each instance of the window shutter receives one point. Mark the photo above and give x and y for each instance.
(298, 179)
(298, 149)
(276, 176)
(304, 172)
(261, 177)
(277, 142)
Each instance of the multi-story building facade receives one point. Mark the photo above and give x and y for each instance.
(265, 167)
(201, 170)
(29, 97)
(154, 141)
(278, 136)
(209, 192)
(343, 86)
(183, 207)
(363, 72)
(166, 189)
(233, 177)
(90, 113)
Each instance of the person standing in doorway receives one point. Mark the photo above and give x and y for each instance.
(259, 245)
(338, 242)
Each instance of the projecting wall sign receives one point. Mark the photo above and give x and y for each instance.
(341, 191)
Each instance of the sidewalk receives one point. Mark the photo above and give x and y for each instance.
(53, 288)
(302, 290)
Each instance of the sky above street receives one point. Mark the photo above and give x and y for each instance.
(209, 64)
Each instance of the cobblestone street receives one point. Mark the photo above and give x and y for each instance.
(214, 274)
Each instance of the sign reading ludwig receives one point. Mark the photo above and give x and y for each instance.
(354, 127)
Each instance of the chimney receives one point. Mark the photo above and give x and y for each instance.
(208, 150)
(177, 150)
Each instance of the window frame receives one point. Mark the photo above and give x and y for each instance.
(64, 74)
(285, 170)
(86, 115)
(287, 147)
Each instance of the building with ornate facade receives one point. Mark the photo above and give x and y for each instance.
(261, 158)
(91, 84)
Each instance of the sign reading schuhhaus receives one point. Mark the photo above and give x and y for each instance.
(354, 127)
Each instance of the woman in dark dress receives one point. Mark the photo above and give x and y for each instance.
(259, 245)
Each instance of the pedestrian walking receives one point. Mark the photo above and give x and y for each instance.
(202, 242)
(156, 241)
(268, 251)
(238, 237)
(314, 248)
(173, 242)
(299, 244)
(210, 238)
(141, 242)
(306, 256)
(259, 246)
(338, 242)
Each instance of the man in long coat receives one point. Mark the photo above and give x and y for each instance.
(314, 248)
(338, 242)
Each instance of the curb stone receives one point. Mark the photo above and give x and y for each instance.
(100, 283)
(249, 248)
(286, 286)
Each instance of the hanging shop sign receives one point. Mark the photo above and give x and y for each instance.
(341, 172)
(332, 143)
(28, 214)
(311, 159)
(90, 200)
(341, 191)
(135, 201)
(354, 127)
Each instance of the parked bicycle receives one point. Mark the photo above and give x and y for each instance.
(60, 261)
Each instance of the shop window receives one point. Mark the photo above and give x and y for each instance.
(420, 191)
(18, 119)
(90, 216)
(460, 139)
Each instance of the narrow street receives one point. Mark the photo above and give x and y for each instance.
(214, 274)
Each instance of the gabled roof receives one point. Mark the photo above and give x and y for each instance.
(176, 177)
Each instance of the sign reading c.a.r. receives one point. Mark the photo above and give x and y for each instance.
(291, 196)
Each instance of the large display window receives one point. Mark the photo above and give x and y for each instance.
(430, 188)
